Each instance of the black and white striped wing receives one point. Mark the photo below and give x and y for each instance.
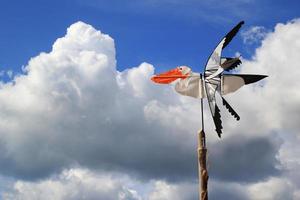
(212, 76)
(211, 87)
(213, 66)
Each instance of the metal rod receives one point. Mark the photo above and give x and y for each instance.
(202, 120)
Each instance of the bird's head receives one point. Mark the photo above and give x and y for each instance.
(172, 75)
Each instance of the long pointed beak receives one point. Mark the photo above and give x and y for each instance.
(168, 77)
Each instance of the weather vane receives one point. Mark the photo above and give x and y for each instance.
(206, 85)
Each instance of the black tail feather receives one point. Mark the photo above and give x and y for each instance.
(230, 109)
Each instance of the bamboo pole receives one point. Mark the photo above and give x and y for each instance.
(202, 170)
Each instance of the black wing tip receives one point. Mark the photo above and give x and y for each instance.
(230, 109)
(252, 78)
(232, 33)
(218, 122)
(219, 133)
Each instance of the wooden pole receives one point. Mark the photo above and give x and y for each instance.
(202, 151)
(202, 170)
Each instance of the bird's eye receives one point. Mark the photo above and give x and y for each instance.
(180, 68)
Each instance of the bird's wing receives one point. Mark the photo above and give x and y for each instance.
(232, 33)
(213, 65)
(233, 82)
(212, 77)
(211, 87)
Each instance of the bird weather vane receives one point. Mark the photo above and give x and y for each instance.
(206, 85)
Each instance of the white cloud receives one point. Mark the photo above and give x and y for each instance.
(163, 191)
(74, 108)
(74, 184)
(275, 106)
(10, 73)
(254, 34)
(272, 189)
(46, 105)
(277, 103)
(78, 183)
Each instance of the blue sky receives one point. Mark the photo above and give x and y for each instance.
(61, 122)
(165, 33)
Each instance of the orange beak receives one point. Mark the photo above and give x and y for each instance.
(168, 77)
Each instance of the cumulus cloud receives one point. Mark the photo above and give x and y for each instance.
(74, 184)
(73, 108)
(274, 188)
(162, 191)
(277, 57)
(236, 159)
(228, 191)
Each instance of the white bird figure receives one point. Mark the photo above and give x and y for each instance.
(212, 81)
